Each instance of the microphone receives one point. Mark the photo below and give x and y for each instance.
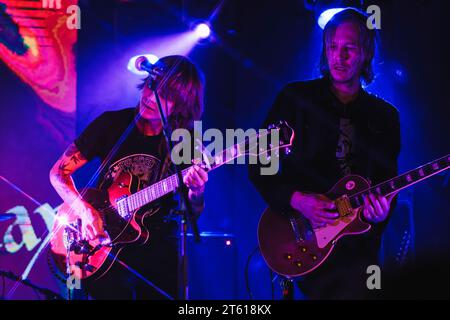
(142, 64)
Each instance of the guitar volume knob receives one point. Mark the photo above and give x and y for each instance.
(288, 256)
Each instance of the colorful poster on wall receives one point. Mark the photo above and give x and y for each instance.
(37, 108)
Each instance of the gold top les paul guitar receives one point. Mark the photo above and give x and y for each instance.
(122, 213)
(291, 247)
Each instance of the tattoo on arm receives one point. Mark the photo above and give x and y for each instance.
(72, 157)
(71, 160)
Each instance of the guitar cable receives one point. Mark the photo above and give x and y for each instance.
(247, 264)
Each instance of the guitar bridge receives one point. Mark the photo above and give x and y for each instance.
(295, 229)
(344, 206)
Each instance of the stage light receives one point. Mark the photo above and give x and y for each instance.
(132, 67)
(228, 243)
(324, 10)
(202, 30)
(327, 15)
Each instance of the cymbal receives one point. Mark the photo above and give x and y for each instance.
(6, 216)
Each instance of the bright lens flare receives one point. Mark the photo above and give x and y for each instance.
(202, 31)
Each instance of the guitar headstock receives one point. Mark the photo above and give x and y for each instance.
(275, 137)
(262, 142)
(286, 135)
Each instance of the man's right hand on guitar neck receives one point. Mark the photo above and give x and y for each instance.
(317, 208)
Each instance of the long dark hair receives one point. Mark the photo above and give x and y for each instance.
(367, 41)
(183, 83)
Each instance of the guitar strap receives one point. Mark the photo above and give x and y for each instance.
(167, 160)
(164, 169)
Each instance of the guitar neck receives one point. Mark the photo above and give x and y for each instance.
(153, 192)
(403, 181)
(170, 184)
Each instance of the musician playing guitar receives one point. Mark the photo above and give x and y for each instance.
(341, 129)
(141, 155)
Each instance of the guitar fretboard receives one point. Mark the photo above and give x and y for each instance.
(170, 184)
(153, 192)
(403, 181)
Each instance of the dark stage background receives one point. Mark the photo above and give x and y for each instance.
(257, 47)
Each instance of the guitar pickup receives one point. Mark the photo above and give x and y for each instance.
(295, 229)
(343, 206)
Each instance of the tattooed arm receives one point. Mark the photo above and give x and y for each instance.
(61, 180)
(60, 174)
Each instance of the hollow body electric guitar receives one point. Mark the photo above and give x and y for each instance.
(291, 247)
(121, 208)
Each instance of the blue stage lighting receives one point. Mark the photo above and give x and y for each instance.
(324, 10)
(132, 67)
(327, 15)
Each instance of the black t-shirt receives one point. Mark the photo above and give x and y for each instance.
(345, 151)
(114, 138)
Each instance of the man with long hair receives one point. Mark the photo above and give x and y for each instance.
(340, 129)
(131, 141)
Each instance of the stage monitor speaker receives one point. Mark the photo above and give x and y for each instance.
(213, 267)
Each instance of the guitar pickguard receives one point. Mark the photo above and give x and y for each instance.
(331, 233)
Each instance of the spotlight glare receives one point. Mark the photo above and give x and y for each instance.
(202, 30)
(132, 63)
(228, 243)
(327, 15)
(63, 220)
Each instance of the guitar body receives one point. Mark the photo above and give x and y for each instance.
(291, 247)
(122, 230)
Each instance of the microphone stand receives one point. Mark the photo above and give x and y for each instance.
(185, 207)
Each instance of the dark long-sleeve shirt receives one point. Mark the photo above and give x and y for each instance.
(313, 166)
